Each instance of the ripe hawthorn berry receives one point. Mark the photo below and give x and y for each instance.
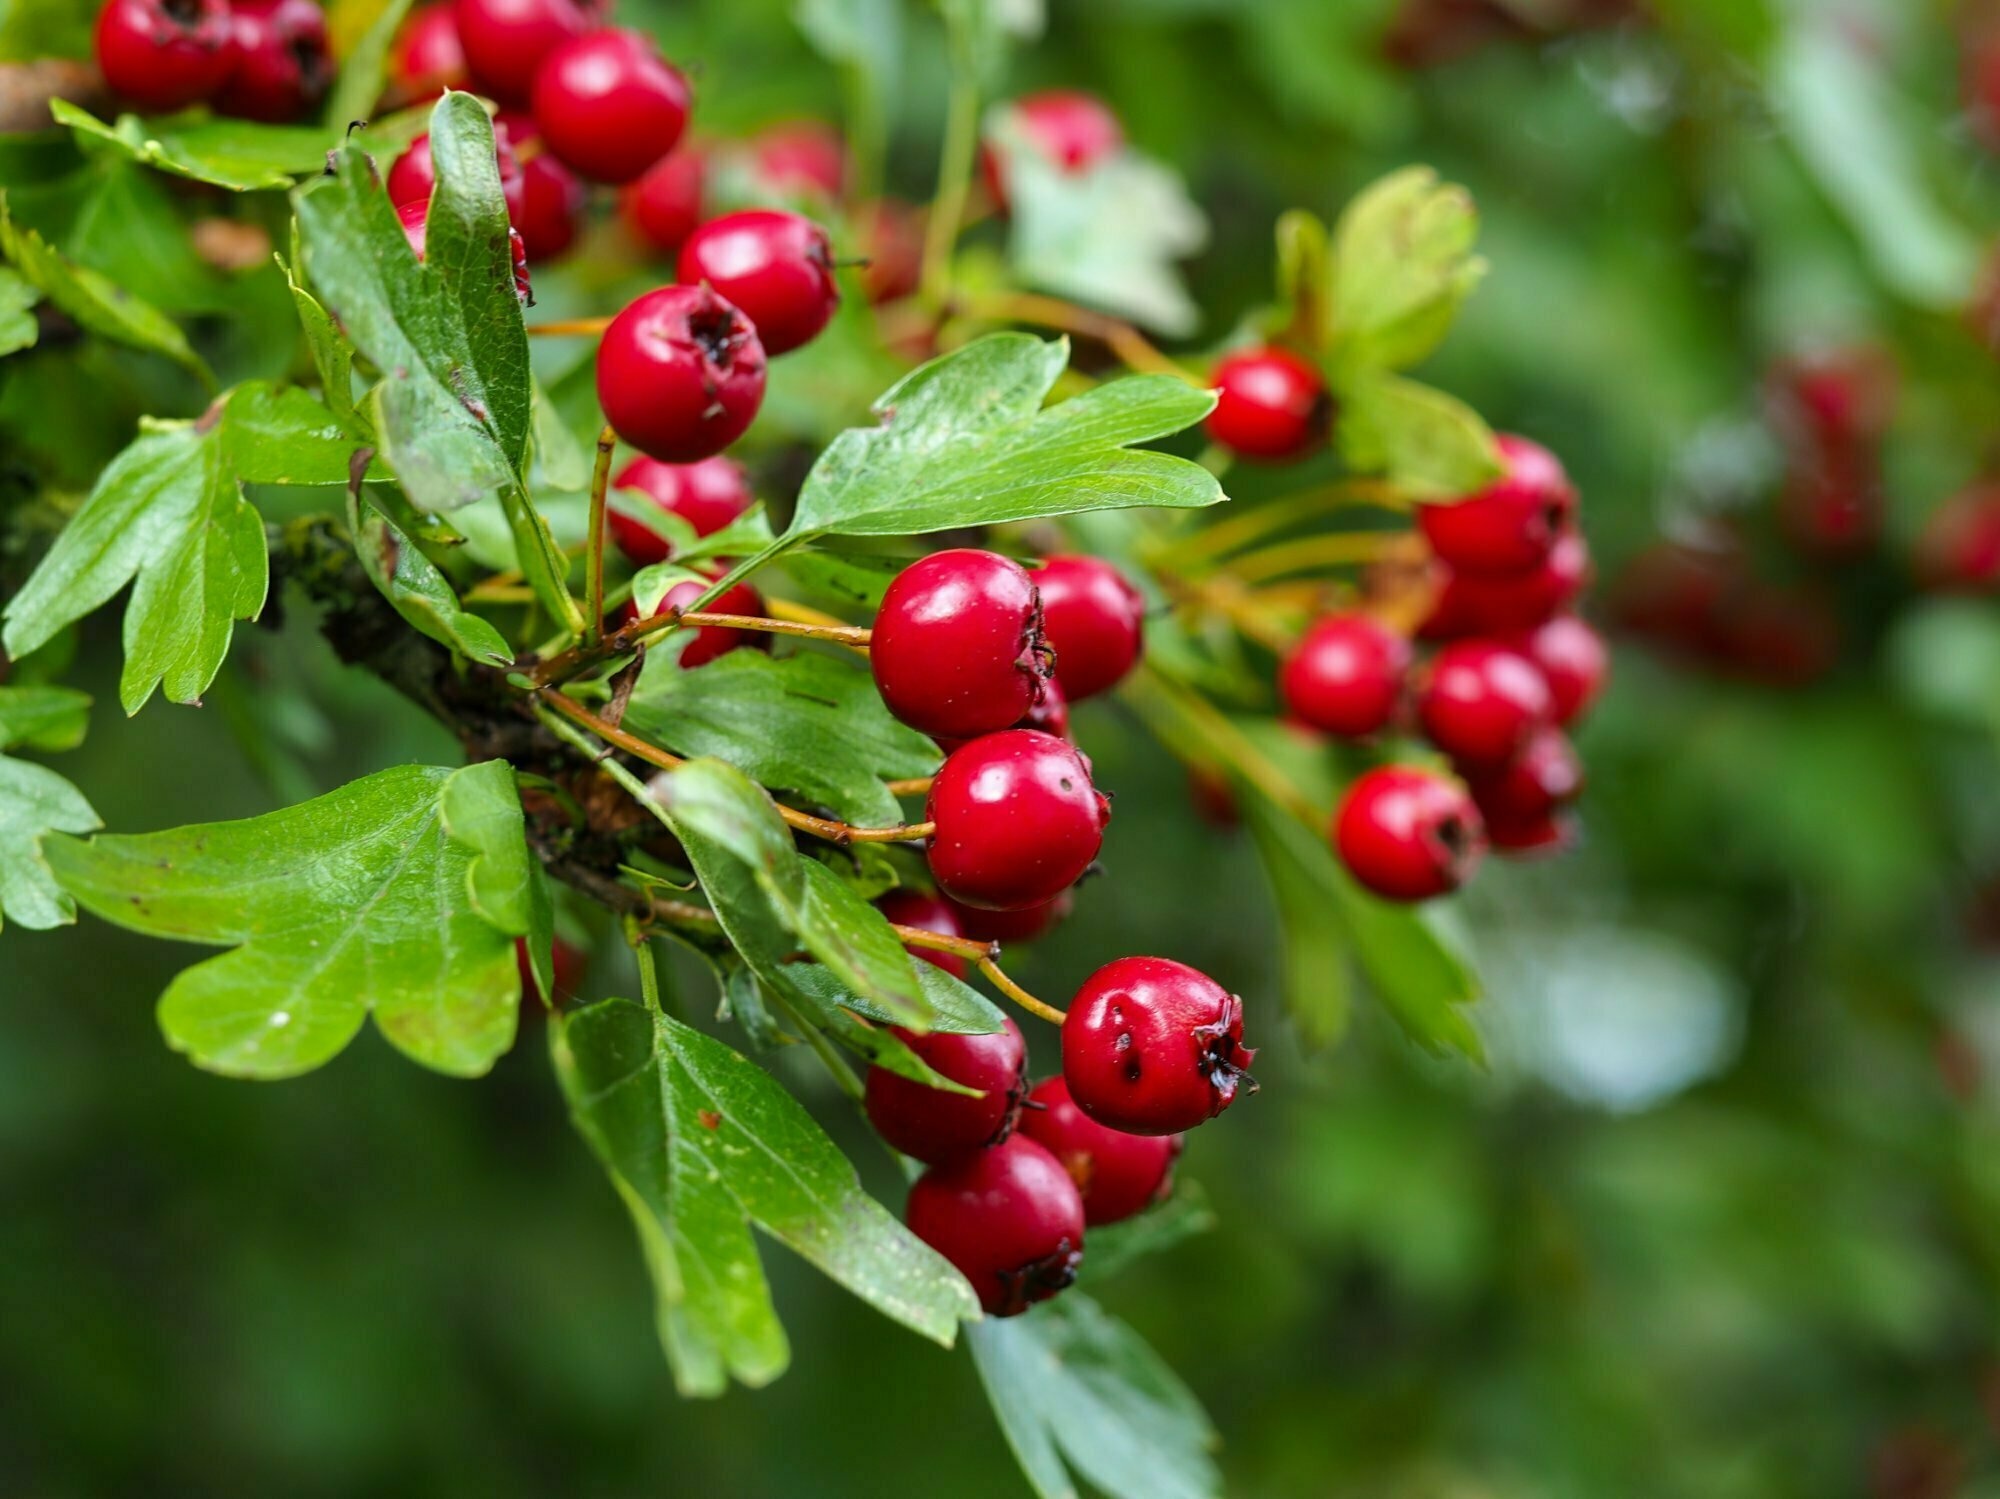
(776, 267)
(414, 174)
(553, 197)
(706, 642)
(1510, 525)
(1270, 404)
(1573, 661)
(1959, 548)
(1024, 925)
(1837, 398)
(1480, 700)
(1408, 834)
(283, 63)
(927, 913)
(506, 41)
(609, 105)
(1050, 716)
(1471, 604)
(933, 1125)
(1522, 802)
(1070, 129)
(1346, 676)
(428, 58)
(165, 54)
(1095, 622)
(800, 156)
(415, 219)
(1154, 1047)
(707, 495)
(1116, 1173)
(1009, 1218)
(957, 647)
(1017, 820)
(663, 206)
(680, 374)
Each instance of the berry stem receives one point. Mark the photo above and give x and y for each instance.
(561, 668)
(1127, 342)
(963, 947)
(917, 786)
(853, 636)
(593, 559)
(1227, 597)
(1277, 515)
(1310, 553)
(999, 980)
(955, 161)
(1194, 718)
(576, 327)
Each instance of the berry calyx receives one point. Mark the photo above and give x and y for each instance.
(1270, 404)
(1346, 676)
(1095, 622)
(1408, 834)
(1009, 1219)
(1024, 925)
(414, 174)
(1522, 801)
(1017, 820)
(165, 54)
(428, 58)
(283, 64)
(663, 206)
(553, 197)
(680, 374)
(415, 219)
(1510, 525)
(609, 105)
(1573, 660)
(1154, 1047)
(934, 1125)
(927, 913)
(777, 267)
(1480, 700)
(1117, 1174)
(705, 642)
(707, 495)
(506, 41)
(957, 647)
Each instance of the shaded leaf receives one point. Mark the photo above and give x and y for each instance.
(34, 800)
(1430, 444)
(1314, 959)
(420, 593)
(18, 328)
(43, 718)
(284, 435)
(364, 61)
(1186, 1214)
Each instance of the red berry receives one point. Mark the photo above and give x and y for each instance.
(165, 54)
(1153, 1047)
(800, 156)
(1831, 505)
(1573, 661)
(1008, 1218)
(664, 205)
(567, 965)
(553, 198)
(1070, 129)
(1024, 925)
(892, 235)
(414, 174)
(1095, 622)
(283, 64)
(1408, 834)
(706, 642)
(680, 374)
(1472, 604)
(506, 41)
(1017, 820)
(1673, 592)
(609, 104)
(1480, 700)
(957, 647)
(1982, 84)
(1346, 676)
(1510, 525)
(775, 266)
(927, 913)
(1050, 716)
(1118, 1174)
(415, 219)
(1782, 635)
(428, 57)
(934, 1125)
(1959, 549)
(1837, 398)
(1271, 404)
(707, 495)
(1521, 802)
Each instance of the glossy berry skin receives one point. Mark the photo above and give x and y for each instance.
(957, 646)
(1408, 834)
(283, 64)
(428, 58)
(1271, 404)
(165, 54)
(1574, 661)
(1018, 821)
(1010, 1219)
(1154, 1047)
(927, 913)
(680, 374)
(414, 174)
(706, 642)
(934, 1125)
(664, 205)
(1346, 676)
(506, 41)
(1095, 622)
(775, 266)
(1510, 525)
(1050, 716)
(1024, 925)
(1522, 801)
(553, 198)
(415, 217)
(1480, 700)
(1472, 604)
(1117, 1174)
(609, 105)
(707, 495)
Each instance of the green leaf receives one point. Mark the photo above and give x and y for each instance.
(1305, 879)
(1115, 1246)
(1305, 312)
(240, 155)
(95, 302)
(1430, 444)
(331, 354)
(1418, 975)
(401, 893)
(956, 1007)
(806, 723)
(966, 441)
(1403, 263)
(43, 718)
(285, 435)
(34, 801)
(420, 593)
(18, 328)
(167, 513)
(701, 1144)
(1075, 1388)
(364, 66)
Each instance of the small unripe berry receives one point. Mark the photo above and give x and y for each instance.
(665, 204)
(934, 1125)
(1573, 660)
(1010, 1219)
(1117, 1174)
(1521, 802)
(1481, 700)
(776, 267)
(957, 647)
(414, 174)
(706, 642)
(553, 198)
(1095, 622)
(506, 41)
(1510, 525)
(1153, 1047)
(1271, 404)
(680, 374)
(927, 913)
(707, 495)
(429, 58)
(283, 65)
(1024, 925)
(1346, 676)
(165, 54)
(1408, 834)
(609, 105)
(415, 219)
(1018, 821)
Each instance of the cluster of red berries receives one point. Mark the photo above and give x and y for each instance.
(263, 60)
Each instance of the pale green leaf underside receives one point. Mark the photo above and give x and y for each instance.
(34, 800)
(1403, 262)
(1430, 444)
(43, 718)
